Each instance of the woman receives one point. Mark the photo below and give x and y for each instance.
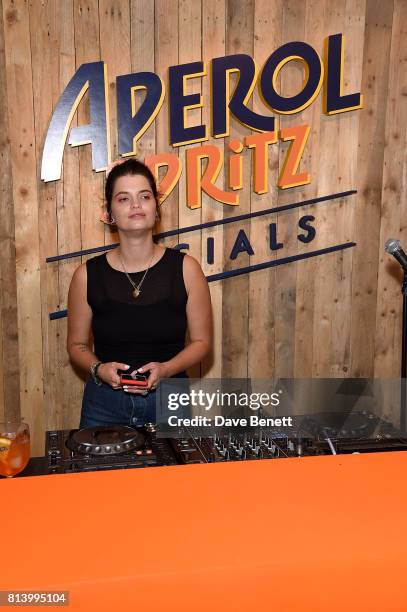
(138, 299)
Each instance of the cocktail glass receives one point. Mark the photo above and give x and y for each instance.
(14, 447)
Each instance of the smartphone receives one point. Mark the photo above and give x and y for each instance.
(138, 380)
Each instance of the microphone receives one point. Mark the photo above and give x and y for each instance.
(393, 247)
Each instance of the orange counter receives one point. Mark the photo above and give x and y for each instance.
(325, 533)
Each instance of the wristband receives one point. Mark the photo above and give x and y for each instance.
(93, 372)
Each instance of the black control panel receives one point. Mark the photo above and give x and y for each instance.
(61, 459)
(323, 434)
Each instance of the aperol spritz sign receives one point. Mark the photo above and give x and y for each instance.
(325, 75)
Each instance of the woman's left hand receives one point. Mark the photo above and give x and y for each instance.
(157, 370)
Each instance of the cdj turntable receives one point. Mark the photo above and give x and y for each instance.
(106, 448)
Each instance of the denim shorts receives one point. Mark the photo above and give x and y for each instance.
(102, 405)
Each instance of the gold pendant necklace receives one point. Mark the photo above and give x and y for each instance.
(136, 288)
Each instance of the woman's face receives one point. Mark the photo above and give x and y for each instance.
(133, 203)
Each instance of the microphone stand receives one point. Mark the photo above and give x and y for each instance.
(403, 402)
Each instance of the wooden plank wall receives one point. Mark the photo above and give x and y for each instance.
(9, 358)
(337, 315)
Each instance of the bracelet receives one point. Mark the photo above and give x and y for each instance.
(93, 372)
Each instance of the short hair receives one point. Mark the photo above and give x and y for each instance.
(130, 166)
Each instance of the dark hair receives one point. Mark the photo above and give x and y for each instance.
(131, 166)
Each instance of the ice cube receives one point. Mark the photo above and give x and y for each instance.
(16, 462)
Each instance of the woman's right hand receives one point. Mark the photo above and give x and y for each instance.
(108, 373)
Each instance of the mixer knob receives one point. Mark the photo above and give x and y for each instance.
(118, 448)
(97, 449)
(108, 449)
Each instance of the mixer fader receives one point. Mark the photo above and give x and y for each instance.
(243, 447)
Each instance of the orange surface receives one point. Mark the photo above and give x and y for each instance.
(325, 533)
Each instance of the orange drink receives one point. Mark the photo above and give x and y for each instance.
(14, 447)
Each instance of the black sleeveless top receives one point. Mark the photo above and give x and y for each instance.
(151, 327)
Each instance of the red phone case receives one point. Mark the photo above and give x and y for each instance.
(132, 382)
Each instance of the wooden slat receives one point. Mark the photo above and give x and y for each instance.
(9, 360)
(235, 311)
(166, 55)
(267, 18)
(142, 50)
(329, 266)
(377, 38)
(213, 45)
(293, 28)
(114, 21)
(71, 210)
(189, 44)
(87, 49)
(24, 174)
(189, 49)
(353, 29)
(45, 54)
(115, 49)
(393, 214)
(307, 270)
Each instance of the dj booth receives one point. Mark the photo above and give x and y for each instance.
(309, 533)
